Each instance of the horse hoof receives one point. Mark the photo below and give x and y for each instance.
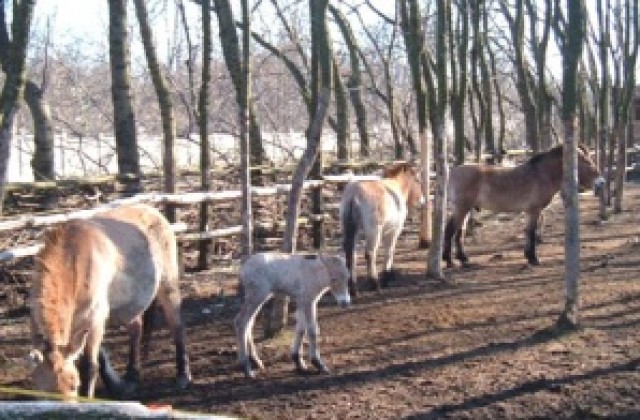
(319, 364)
(256, 363)
(297, 360)
(183, 381)
(248, 371)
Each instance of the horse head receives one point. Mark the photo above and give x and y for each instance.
(339, 279)
(54, 370)
(588, 173)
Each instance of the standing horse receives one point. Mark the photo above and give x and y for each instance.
(109, 267)
(305, 278)
(378, 209)
(528, 188)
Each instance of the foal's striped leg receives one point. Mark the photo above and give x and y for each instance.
(301, 328)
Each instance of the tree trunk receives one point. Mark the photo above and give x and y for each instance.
(203, 115)
(245, 137)
(438, 117)
(14, 81)
(604, 99)
(231, 52)
(571, 57)
(459, 77)
(124, 118)
(42, 162)
(321, 80)
(516, 24)
(631, 41)
(410, 21)
(165, 103)
(343, 137)
(354, 84)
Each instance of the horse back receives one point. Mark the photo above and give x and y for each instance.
(495, 188)
(378, 202)
(146, 245)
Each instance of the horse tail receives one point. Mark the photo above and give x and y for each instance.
(350, 221)
(148, 325)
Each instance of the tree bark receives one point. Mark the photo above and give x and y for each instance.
(245, 137)
(321, 80)
(165, 103)
(529, 109)
(411, 28)
(631, 41)
(231, 52)
(203, 125)
(571, 57)
(438, 116)
(604, 98)
(354, 84)
(343, 134)
(124, 118)
(14, 81)
(43, 161)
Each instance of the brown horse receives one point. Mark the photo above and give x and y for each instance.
(109, 267)
(378, 209)
(528, 188)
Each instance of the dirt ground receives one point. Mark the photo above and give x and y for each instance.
(480, 345)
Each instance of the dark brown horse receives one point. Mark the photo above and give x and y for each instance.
(528, 188)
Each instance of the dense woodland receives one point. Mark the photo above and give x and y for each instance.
(449, 81)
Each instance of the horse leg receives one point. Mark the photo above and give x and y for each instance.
(243, 324)
(461, 255)
(388, 274)
(169, 298)
(301, 327)
(90, 367)
(350, 232)
(310, 313)
(530, 237)
(454, 228)
(135, 334)
(371, 256)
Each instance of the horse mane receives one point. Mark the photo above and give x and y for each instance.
(555, 152)
(54, 286)
(394, 170)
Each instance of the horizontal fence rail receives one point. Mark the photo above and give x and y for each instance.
(183, 199)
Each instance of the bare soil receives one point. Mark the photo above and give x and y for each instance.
(480, 345)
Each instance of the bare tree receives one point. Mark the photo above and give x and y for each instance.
(438, 112)
(166, 104)
(459, 47)
(245, 141)
(124, 118)
(231, 51)
(411, 22)
(203, 111)
(42, 162)
(14, 69)
(604, 90)
(321, 80)
(628, 31)
(572, 44)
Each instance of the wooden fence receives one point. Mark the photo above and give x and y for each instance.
(35, 221)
